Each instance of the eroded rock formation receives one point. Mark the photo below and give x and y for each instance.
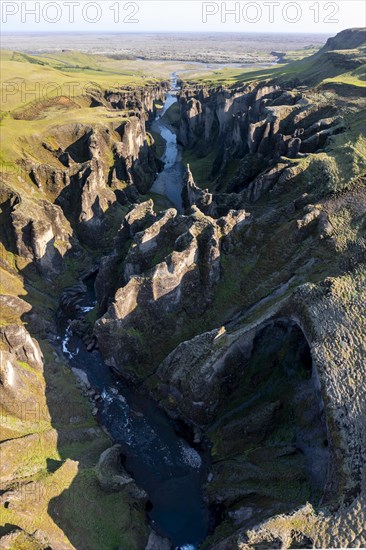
(253, 128)
(169, 263)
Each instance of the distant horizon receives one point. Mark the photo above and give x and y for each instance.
(175, 32)
(208, 46)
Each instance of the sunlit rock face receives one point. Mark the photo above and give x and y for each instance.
(170, 271)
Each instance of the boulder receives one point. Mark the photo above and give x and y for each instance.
(156, 542)
(112, 476)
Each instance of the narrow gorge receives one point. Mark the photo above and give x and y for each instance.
(247, 375)
(194, 358)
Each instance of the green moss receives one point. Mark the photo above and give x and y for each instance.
(230, 292)
(28, 368)
(94, 519)
(135, 333)
(85, 452)
(115, 217)
(201, 167)
(92, 315)
(223, 531)
(230, 172)
(173, 114)
(9, 316)
(25, 542)
(160, 255)
(159, 144)
(160, 201)
(149, 139)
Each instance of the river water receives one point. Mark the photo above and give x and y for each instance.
(169, 181)
(160, 460)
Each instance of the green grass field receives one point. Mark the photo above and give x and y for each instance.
(316, 70)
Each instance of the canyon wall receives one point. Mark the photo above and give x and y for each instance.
(198, 301)
(68, 195)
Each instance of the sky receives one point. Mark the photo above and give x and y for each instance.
(280, 16)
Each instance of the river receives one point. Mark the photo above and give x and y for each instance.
(169, 469)
(169, 181)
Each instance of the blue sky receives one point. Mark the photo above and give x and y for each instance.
(182, 15)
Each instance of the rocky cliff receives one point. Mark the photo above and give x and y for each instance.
(67, 191)
(252, 128)
(90, 168)
(265, 380)
(169, 272)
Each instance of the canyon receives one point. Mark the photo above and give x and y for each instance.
(188, 309)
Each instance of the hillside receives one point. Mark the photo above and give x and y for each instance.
(342, 60)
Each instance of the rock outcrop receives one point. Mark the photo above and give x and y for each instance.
(94, 166)
(37, 231)
(251, 128)
(194, 195)
(113, 477)
(21, 367)
(136, 99)
(171, 268)
(156, 542)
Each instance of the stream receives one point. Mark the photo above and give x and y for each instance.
(155, 454)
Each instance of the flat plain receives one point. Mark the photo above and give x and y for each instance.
(202, 47)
